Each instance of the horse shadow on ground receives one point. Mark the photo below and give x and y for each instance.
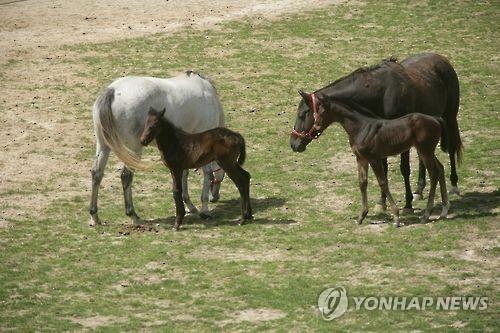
(470, 205)
(228, 212)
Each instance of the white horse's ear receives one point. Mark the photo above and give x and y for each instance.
(162, 112)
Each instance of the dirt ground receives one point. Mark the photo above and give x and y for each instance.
(39, 145)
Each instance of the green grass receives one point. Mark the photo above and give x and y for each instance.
(58, 273)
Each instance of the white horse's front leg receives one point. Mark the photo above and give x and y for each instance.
(217, 176)
(185, 194)
(207, 171)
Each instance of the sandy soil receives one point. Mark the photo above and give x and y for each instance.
(39, 145)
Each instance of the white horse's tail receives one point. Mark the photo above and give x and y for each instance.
(108, 131)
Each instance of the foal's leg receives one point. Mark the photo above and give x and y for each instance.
(382, 205)
(378, 169)
(444, 194)
(429, 160)
(241, 179)
(453, 175)
(363, 183)
(185, 193)
(101, 158)
(177, 192)
(127, 177)
(405, 171)
(419, 195)
(205, 214)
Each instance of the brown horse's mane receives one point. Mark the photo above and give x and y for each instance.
(362, 70)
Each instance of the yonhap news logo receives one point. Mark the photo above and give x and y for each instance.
(333, 303)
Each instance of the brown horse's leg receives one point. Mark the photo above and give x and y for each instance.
(241, 179)
(378, 169)
(419, 193)
(444, 194)
(382, 205)
(179, 203)
(429, 160)
(405, 171)
(363, 183)
(453, 175)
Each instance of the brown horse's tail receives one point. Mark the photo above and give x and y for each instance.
(453, 144)
(107, 130)
(241, 158)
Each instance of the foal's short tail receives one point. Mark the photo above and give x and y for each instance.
(241, 158)
(107, 130)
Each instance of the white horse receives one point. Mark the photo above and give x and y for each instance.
(119, 113)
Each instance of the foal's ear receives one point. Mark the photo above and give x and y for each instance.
(162, 112)
(151, 110)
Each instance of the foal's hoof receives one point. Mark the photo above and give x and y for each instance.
(407, 211)
(176, 228)
(380, 208)
(454, 190)
(214, 198)
(205, 215)
(417, 196)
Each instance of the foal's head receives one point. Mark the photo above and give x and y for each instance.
(308, 122)
(152, 126)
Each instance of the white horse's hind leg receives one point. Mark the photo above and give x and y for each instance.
(207, 170)
(127, 177)
(185, 193)
(97, 172)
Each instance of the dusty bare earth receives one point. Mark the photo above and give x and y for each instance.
(39, 145)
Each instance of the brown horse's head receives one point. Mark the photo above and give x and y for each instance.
(305, 129)
(152, 126)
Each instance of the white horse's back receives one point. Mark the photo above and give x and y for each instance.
(191, 103)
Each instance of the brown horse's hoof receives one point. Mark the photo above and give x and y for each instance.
(176, 228)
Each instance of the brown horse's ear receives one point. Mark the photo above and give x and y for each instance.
(305, 96)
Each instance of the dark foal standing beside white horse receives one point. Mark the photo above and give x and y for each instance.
(180, 150)
(373, 139)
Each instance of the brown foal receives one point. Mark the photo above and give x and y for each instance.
(180, 150)
(373, 139)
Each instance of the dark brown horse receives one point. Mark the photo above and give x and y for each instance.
(424, 83)
(180, 150)
(373, 139)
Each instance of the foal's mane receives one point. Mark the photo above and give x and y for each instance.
(177, 131)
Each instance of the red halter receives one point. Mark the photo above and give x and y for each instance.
(309, 134)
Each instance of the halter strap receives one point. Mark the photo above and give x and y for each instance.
(314, 110)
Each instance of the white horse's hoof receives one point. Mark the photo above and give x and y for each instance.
(193, 210)
(94, 221)
(380, 208)
(417, 196)
(205, 215)
(454, 190)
